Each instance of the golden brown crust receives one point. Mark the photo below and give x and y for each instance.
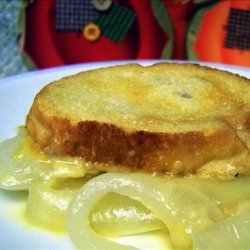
(177, 152)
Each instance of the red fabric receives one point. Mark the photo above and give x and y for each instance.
(145, 40)
(209, 44)
(39, 43)
(179, 13)
(151, 37)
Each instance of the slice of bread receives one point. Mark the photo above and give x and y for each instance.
(172, 118)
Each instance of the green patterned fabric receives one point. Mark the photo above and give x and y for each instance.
(164, 21)
(115, 22)
(194, 29)
(12, 59)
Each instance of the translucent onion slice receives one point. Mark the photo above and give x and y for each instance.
(233, 233)
(227, 194)
(48, 201)
(118, 215)
(14, 173)
(181, 209)
(21, 162)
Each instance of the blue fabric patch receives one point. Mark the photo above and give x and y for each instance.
(73, 15)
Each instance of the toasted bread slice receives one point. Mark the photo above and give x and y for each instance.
(173, 118)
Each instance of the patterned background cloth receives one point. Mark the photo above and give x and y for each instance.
(12, 60)
(72, 15)
(115, 22)
(238, 30)
(128, 29)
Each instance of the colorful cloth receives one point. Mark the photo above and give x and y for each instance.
(115, 22)
(185, 29)
(12, 59)
(73, 15)
(238, 29)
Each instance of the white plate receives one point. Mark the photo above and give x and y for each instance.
(16, 96)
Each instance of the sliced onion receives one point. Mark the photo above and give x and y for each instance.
(233, 233)
(15, 174)
(21, 163)
(48, 200)
(227, 194)
(180, 209)
(118, 215)
(46, 206)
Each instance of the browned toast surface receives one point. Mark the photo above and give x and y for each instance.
(166, 117)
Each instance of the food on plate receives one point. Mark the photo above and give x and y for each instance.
(163, 118)
(130, 149)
